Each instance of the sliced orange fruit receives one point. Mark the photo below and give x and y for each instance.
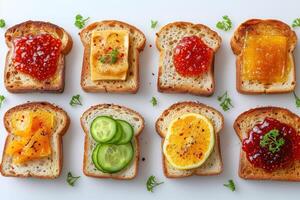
(189, 141)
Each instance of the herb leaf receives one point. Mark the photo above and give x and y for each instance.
(296, 23)
(230, 185)
(153, 101)
(80, 21)
(272, 141)
(111, 57)
(297, 100)
(2, 98)
(114, 56)
(225, 101)
(152, 183)
(2, 23)
(72, 179)
(154, 23)
(75, 100)
(225, 24)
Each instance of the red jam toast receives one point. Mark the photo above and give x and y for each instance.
(270, 144)
(186, 63)
(36, 57)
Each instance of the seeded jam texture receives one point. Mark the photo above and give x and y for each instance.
(267, 156)
(192, 57)
(37, 55)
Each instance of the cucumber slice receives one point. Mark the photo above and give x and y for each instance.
(113, 158)
(103, 129)
(127, 132)
(118, 135)
(95, 160)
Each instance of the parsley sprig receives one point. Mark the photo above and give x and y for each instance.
(225, 24)
(225, 101)
(111, 57)
(80, 21)
(297, 100)
(72, 179)
(154, 23)
(272, 141)
(2, 23)
(296, 23)
(2, 98)
(153, 101)
(75, 100)
(152, 183)
(230, 185)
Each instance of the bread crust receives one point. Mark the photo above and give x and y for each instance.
(86, 132)
(31, 105)
(245, 165)
(23, 29)
(162, 135)
(86, 63)
(178, 88)
(237, 44)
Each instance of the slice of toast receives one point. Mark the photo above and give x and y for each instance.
(245, 122)
(137, 41)
(18, 82)
(48, 167)
(213, 165)
(168, 79)
(117, 112)
(260, 27)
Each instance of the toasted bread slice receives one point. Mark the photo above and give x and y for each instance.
(137, 41)
(259, 27)
(49, 167)
(117, 112)
(245, 122)
(168, 79)
(18, 82)
(213, 165)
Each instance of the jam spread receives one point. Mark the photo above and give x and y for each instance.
(265, 59)
(192, 57)
(37, 55)
(272, 145)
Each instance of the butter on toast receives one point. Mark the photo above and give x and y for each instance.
(245, 122)
(117, 112)
(213, 165)
(137, 43)
(267, 27)
(18, 82)
(48, 167)
(168, 79)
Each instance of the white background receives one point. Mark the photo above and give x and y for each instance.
(139, 13)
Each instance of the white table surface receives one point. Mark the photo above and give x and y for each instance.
(140, 13)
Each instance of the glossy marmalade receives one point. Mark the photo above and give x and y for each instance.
(264, 156)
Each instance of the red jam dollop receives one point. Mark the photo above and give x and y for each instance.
(192, 57)
(37, 55)
(272, 150)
